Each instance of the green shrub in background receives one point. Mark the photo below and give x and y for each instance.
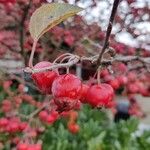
(96, 133)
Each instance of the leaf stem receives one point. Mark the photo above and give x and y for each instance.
(32, 54)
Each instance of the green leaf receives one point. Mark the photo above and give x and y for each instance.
(48, 16)
(95, 143)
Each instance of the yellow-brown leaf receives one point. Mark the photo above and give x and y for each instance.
(48, 16)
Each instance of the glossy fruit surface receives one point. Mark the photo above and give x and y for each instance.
(67, 85)
(44, 80)
(115, 84)
(84, 92)
(66, 90)
(100, 95)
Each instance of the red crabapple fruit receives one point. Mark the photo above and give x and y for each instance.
(44, 79)
(66, 90)
(100, 95)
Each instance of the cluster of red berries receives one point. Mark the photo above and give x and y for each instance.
(12, 125)
(115, 82)
(130, 81)
(138, 85)
(8, 1)
(135, 109)
(8, 105)
(67, 89)
(62, 35)
(123, 49)
(48, 117)
(26, 146)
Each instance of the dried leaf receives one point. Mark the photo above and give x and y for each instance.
(48, 16)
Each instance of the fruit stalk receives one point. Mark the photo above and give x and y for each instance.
(32, 54)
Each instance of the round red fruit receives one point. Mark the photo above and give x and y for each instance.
(108, 78)
(110, 91)
(44, 79)
(115, 84)
(52, 117)
(14, 127)
(66, 90)
(104, 73)
(73, 128)
(43, 115)
(132, 88)
(23, 125)
(122, 80)
(22, 146)
(100, 95)
(84, 92)
(3, 122)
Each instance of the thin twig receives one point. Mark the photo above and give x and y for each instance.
(93, 59)
(26, 10)
(37, 111)
(109, 29)
(55, 66)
